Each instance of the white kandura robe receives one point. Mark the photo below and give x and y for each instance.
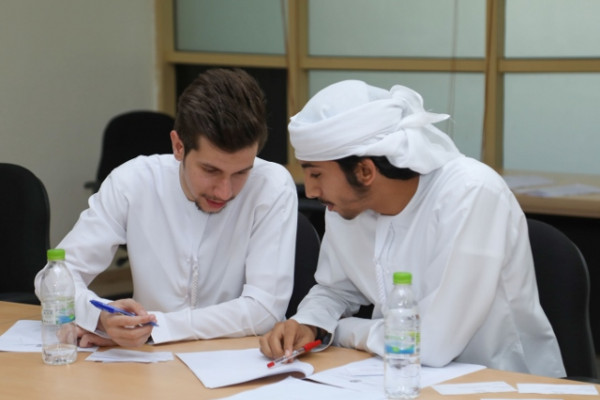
(228, 274)
(464, 238)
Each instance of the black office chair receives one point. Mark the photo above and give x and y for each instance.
(129, 135)
(305, 264)
(24, 232)
(564, 290)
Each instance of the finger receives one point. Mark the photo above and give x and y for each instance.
(135, 308)
(147, 319)
(115, 321)
(290, 336)
(132, 322)
(84, 341)
(271, 343)
(131, 337)
(277, 340)
(130, 305)
(124, 325)
(80, 331)
(264, 346)
(90, 340)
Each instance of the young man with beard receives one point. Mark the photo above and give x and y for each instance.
(210, 229)
(400, 196)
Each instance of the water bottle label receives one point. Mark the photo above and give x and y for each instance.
(406, 344)
(399, 349)
(59, 313)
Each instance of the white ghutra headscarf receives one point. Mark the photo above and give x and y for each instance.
(352, 118)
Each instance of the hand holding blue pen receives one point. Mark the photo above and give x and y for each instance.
(115, 310)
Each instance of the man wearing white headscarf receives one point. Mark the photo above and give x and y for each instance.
(400, 196)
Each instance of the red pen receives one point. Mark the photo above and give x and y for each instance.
(306, 348)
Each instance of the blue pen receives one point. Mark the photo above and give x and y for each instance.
(115, 310)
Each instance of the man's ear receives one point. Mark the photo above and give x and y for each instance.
(365, 171)
(177, 144)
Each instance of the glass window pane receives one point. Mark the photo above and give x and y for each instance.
(460, 95)
(392, 28)
(233, 26)
(551, 122)
(552, 28)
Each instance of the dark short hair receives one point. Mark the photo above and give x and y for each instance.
(348, 166)
(227, 107)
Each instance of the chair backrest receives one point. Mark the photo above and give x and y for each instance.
(308, 245)
(313, 209)
(24, 232)
(564, 291)
(131, 134)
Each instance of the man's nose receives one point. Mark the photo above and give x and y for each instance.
(224, 189)
(311, 190)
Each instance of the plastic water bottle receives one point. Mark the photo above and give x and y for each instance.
(57, 292)
(402, 341)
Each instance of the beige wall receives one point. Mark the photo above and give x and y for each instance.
(66, 67)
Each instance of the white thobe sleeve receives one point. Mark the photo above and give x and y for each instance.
(90, 248)
(334, 296)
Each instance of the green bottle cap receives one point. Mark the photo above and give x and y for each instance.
(56, 254)
(402, 278)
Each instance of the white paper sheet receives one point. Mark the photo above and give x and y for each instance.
(25, 336)
(474, 388)
(122, 355)
(367, 375)
(228, 367)
(297, 389)
(544, 388)
(520, 181)
(574, 189)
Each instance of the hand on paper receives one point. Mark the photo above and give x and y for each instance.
(125, 330)
(285, 337)
(89, 339)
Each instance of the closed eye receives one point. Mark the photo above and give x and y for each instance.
(210, 170)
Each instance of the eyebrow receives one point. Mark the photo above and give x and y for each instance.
(208, 165)
(245, 169)
(307, 165)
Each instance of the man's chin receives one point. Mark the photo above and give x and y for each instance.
(348, 216)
